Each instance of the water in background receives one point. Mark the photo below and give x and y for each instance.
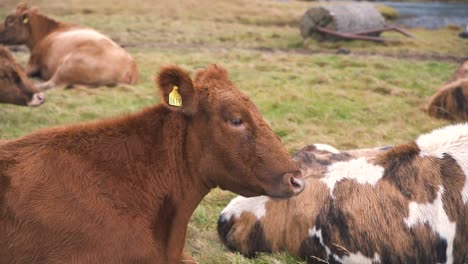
(430, 15)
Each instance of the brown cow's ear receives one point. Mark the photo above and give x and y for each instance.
(25, 18)
(211, 72)
(177, 90)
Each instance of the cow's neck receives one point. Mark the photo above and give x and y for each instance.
(41, 26)
(185, 189)
(151, 175)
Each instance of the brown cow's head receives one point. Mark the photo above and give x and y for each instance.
(16, 27)
(238, 151)
(15, 87)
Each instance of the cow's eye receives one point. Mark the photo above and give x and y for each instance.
(236, 121)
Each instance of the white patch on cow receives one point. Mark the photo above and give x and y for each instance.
(357, 169)
(240, 204)
(359, 258)
(451, 140)
(313, 232)
(352, 258)
(325, 147)
(85, 33)
(435, 216)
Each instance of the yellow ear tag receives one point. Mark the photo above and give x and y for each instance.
(25, 21)
(174, 97)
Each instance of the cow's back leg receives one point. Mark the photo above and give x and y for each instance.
(50, 84)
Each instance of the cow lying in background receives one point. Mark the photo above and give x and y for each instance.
(451, 101)
(64, 54)
(15, 87)
(123, 190)
(406, 204)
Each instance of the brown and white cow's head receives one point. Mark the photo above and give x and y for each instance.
(238, 150)
(450, 102)
(461, 72)
(16, 29)
(15, 87)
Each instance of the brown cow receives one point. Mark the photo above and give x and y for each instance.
(451, 101)
(15, 87)
(64, 54)
(123, 190)
(405, 204)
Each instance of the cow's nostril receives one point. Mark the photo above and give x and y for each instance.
(294, 183)
(297, 182)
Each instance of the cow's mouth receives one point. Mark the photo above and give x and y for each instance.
(37, 99)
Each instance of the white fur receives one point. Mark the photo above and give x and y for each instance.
(318, 233)
(435, 216)
(352, 258)
(359, 258)
(452, 140)
(240, 204)
(326, 147)
(84, 33)
(357, 169)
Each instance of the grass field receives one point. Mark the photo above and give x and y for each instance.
(307, 92)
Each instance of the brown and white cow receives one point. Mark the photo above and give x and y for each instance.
(64, 54)
(404, 204)
(123, 190)
(451, 101)
(15, 87)
(464, 34)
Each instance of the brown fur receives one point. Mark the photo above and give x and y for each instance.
(360, 218)
(451, 101)
(15, 87)
(64, 54)
(123, 190)
(462, 72)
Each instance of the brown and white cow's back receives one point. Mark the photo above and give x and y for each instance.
(405, 204)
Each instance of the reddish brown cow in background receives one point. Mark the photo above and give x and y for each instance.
(15, 87)
(406, 204)
(451, 101)
(123, 190)
(64, 54)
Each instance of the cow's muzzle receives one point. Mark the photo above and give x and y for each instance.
(294, 181)
(290, 184)
(37, 99)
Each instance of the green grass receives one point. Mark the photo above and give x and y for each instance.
(306, 92)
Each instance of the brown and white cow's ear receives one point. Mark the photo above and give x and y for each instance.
(176, 86)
